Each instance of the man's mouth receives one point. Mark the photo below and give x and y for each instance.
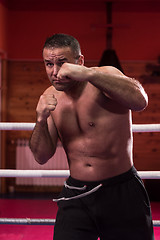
(56, 81)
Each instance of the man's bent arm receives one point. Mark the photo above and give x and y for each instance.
(42, 144)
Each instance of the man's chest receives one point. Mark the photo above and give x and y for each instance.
(87, 116)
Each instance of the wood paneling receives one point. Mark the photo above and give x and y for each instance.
(147, 145)
(26, 82)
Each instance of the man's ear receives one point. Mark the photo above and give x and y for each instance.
(81, 60)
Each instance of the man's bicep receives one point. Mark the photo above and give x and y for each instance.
(52, 130)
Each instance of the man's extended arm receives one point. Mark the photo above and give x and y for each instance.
(113, 83)
(125, 90)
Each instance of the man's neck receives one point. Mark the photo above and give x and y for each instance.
(76, 91)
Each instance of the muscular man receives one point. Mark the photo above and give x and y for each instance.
(89, 110)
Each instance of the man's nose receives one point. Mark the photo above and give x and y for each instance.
(55, 70)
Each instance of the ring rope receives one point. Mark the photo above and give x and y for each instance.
(33, 221)
(33, 173)
(27, 221)
(30, 126)
(16, 126)
(146, 127)
(62, 173)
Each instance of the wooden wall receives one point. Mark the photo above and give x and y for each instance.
(26, 80)
(147, 145)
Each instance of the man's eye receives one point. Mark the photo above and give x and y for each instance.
(49, 64)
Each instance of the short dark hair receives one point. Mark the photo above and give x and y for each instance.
(60, 40)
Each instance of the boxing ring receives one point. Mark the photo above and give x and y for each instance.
(62, 173)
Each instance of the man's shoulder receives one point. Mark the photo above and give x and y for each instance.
(50, 90)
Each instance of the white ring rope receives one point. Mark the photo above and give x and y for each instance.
(30, 126)
(62, 173)
(27, 221)
(33, 173)
(16, 126)
(37, 221)
(149, 174)
(146, 127)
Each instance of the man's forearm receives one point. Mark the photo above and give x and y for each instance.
(41, 143)
(122, 89)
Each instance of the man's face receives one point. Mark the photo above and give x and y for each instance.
(53, 60)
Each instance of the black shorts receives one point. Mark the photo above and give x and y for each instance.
(117, 208)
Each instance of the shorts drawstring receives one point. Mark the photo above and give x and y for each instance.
(73, 187)
(79, 195)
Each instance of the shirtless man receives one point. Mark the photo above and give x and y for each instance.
(89, 110)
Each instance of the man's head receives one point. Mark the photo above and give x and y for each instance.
(61, 40)
(57, 50)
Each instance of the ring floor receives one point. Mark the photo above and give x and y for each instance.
(40, 208)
